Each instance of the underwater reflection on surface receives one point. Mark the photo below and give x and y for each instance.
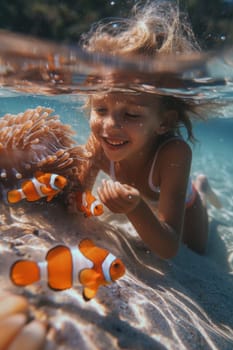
(39, 67)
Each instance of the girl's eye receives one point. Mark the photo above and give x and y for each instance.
(100, 111)
(132, 115)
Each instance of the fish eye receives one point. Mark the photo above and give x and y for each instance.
(98, 207)
(116, 265)
(98, 210)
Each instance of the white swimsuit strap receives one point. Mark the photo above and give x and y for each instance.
(150, 178)
(112, 170)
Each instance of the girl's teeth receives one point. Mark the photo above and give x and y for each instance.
(115, 143)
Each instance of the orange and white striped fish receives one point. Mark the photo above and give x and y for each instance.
(88, 204)
(91, 265)
(41, 185)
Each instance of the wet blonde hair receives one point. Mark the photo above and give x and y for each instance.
(154, 29)
(157, 27)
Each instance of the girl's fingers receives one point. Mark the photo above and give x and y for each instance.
(31, 337)
(11, 304)
(111, 190)
(126, 192)
(115, 190)
(105, 191)
(109, 196)
(9, 328)
(117, 197)
(101, 194)
(15, 333)
(122, 190)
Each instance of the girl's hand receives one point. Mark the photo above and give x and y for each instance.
(117, 197)
(17, 332)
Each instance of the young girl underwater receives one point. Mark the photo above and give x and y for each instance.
(135, 138)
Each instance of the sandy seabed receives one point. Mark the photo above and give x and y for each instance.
(184, 303)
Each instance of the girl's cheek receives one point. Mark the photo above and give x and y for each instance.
(95, 125)
(93, 120)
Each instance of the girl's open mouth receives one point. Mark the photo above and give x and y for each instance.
(114, 143)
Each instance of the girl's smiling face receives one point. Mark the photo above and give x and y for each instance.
(125, 124)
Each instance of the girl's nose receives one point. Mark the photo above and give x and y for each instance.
(112, 121)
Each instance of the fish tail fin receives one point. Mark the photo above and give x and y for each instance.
(14, 196)
(24, 272)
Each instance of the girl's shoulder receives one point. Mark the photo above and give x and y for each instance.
(174, 145)
(171, 142)
(174, 153)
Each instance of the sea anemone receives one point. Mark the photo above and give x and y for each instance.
(34, 141)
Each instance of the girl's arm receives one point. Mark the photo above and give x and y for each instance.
(162, 231)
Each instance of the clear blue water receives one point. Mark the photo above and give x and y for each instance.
(212, 153)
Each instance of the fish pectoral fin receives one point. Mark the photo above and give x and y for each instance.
(45, 189)
(90, 279)
(89, 293)
(49, 198)
(49, 192)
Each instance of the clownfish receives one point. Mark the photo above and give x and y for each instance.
(41, 185)
(88, 204)
(91, 265)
